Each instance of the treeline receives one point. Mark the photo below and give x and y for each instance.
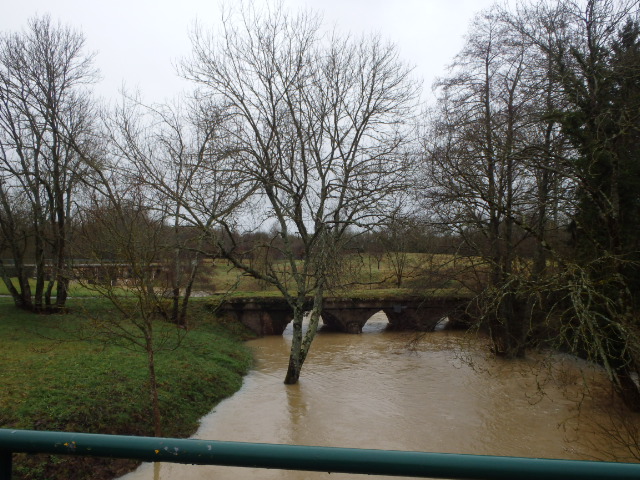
(535, 139)
(297, 147)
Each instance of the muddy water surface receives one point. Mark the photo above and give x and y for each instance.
(381, 390)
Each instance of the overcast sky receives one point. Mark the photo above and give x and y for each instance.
(138, 42)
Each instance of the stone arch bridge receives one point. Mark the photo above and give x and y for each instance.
(270, 316)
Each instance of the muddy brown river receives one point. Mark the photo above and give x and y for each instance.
(384, 390)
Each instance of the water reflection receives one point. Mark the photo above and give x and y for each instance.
(372, 391)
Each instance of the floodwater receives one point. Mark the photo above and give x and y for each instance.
(387, 390)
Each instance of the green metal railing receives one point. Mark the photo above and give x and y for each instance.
(297, 457)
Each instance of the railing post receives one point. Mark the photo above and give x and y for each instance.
(5, 465)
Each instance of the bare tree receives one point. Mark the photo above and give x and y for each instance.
(317, 124)
(396, 241)
(574, 126)
(477, 179)
(594, 65)
(45, 117)
(124, 243)
(176, 157)
(598, 72)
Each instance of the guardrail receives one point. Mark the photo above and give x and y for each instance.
(298, 457)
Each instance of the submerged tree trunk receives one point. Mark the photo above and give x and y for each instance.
(295, 356)
(300, 346)
(629, 390)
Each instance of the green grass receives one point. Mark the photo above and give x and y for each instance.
(75, 289)
(52, 379)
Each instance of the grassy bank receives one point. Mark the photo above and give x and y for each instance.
(56, 376)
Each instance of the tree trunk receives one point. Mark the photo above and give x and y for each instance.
(62, 275)
(48, 292)
(175, 303)
(21, 296)
(40, 274)
(153, 387)
(293, 371)
(516, 334)
(295, 362)
(299, 347)
(314, 320)
(629, 390)
(60, 256)
(182, 316)
(62, 291)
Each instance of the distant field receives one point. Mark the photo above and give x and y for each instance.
(359, 274)
(356, 273)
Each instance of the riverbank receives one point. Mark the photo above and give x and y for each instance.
(57, 375)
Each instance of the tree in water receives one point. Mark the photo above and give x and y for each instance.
(600, 73)
(317, 125)
(476, 183)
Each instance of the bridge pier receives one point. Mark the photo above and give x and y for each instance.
(261, 318)
(420, 317)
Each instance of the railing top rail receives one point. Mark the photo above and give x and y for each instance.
(298, 457)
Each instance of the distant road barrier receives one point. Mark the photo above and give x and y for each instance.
(298, 457)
